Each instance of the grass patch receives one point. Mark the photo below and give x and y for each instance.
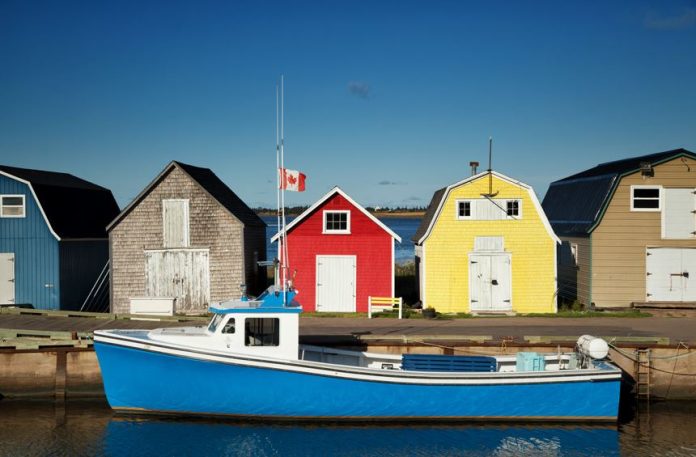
(581, 314)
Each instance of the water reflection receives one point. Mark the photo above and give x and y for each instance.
(128, 437)
(90, 428)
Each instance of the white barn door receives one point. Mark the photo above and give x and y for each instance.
(7, 278)
(678, 218)
(671, 274)
(175, 223)
(490, 282)
(336, 283)
(183, 274)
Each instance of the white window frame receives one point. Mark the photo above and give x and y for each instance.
(519, 208)
(15, 216)
(574, 253)
(471, 210)
(646, 210)
(335, 231)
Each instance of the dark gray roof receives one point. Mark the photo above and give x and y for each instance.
(429, 214)
(220, 192)
(75, 208)
(209, 181)
(574, 205)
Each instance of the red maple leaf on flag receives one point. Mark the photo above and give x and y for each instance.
(292, 180)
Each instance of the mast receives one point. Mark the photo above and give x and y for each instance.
(284, 264)
(276, 278)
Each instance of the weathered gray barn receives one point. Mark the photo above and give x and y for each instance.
(188, 236)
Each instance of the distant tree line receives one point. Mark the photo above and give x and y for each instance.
(295, 210)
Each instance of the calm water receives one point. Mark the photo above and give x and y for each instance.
(405, 227)
(90, 428)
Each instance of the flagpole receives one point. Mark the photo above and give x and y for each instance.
(276, 278)
(284, 236)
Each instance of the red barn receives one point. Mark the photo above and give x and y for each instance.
(340, 254)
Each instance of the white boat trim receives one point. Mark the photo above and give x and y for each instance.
(360, 373)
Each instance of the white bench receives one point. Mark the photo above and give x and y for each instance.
(384, 304)
(154, 306)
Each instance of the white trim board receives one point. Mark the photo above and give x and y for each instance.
(36, 199)
(532, 197)
(321, 201)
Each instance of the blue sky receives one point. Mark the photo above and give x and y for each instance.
(389, 100)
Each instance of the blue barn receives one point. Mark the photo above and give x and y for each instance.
(53, 241)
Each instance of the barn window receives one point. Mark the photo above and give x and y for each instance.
(336, 221)
(175, 222)
(513, 208)
(464, 209)
(12, 206)
(645, 198)
(262, 331)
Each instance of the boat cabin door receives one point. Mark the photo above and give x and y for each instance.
(229, 332)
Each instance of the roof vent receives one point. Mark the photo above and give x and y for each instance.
(646, 169)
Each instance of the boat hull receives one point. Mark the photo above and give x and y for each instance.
(142, 379)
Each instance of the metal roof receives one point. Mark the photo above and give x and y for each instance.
(574, 205)
(73, 208)
(211, 184)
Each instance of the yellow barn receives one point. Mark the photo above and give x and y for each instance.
(486, 246)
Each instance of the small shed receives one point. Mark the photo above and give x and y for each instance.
(339, 255)
(485, 245)
(53, 242)
(629, 231)
(186, 236)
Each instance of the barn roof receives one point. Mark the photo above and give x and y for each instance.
(72, 207)
(325, 198)
(440, 196)
(211, 184)
(575, 205)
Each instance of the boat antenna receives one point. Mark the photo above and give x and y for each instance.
(285, 264)
(276, 276)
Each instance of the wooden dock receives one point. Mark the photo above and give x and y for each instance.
(50, 353)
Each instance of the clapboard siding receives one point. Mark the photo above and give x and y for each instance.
(620, 240)
(35, 249)
(371, 245)
(211, 227)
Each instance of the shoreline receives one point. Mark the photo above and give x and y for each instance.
(409, 214)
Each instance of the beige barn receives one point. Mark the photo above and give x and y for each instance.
(628, 230)
(186, 236)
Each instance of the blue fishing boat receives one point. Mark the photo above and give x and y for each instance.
(247, 362)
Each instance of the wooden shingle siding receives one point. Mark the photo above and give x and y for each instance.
(212, 227)
(620, 240)
(531, 247)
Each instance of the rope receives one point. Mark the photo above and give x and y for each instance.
(629, 357)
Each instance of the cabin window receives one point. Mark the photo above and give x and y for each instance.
(336, 221)
(12, 206)
(645, 198)
(464, 209)
(229, 326)
(262, 331)
(513, 208)
(214, 323)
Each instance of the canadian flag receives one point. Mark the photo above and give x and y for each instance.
(292, 180)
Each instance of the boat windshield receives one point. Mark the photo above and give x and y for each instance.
(214, 323)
